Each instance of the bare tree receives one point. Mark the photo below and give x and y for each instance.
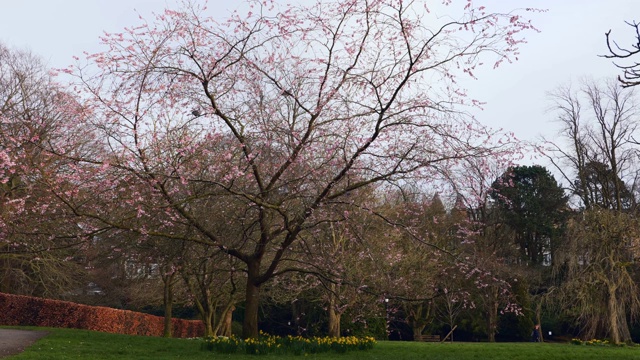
(630, 72)
(597, 159)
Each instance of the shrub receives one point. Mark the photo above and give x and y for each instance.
(31, 311)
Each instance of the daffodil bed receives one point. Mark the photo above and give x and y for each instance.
(297, 345)
(597, 342)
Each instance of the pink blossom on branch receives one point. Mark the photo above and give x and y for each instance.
(275, 117)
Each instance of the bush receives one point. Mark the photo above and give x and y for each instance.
(31, 311)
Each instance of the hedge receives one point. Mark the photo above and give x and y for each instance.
(18, 310)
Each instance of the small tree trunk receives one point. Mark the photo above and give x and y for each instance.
(334, 323)
(226, 319)
(168, 304)
(625, 334)
(492, 318)
(418, 316)
(539, 319)
(204, 303)
(5, 283)
(492, 324)
(334, 317)
(252, 302)
(613, 315)
(208, 323)
(452, 325)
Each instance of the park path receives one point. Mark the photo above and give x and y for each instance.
(15, 341)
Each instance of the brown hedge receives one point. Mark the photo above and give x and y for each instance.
(31, 311)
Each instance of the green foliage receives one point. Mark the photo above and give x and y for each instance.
(601, 186)
(375, 327)
(533, 205)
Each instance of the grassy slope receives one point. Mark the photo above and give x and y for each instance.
(77, 344)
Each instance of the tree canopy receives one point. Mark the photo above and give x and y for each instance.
(277, 118)
(530, 201)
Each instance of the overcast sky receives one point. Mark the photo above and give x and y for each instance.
(566, 49)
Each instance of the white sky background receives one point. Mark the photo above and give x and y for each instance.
(567, 49)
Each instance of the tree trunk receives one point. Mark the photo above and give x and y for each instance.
(5, 283)
(492, 324)
(226, 319)
(207, 312)
(418, 316)
(492, 316)
(625, 334)
(334, 323)
(208, 323)
(334, 317)
(168, 304)
(613, 316)
(539, 319)
(252, 302)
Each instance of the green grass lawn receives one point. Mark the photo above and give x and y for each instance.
(77, 344)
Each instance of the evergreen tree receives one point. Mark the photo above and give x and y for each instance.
(529, 200)
(603, 188)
